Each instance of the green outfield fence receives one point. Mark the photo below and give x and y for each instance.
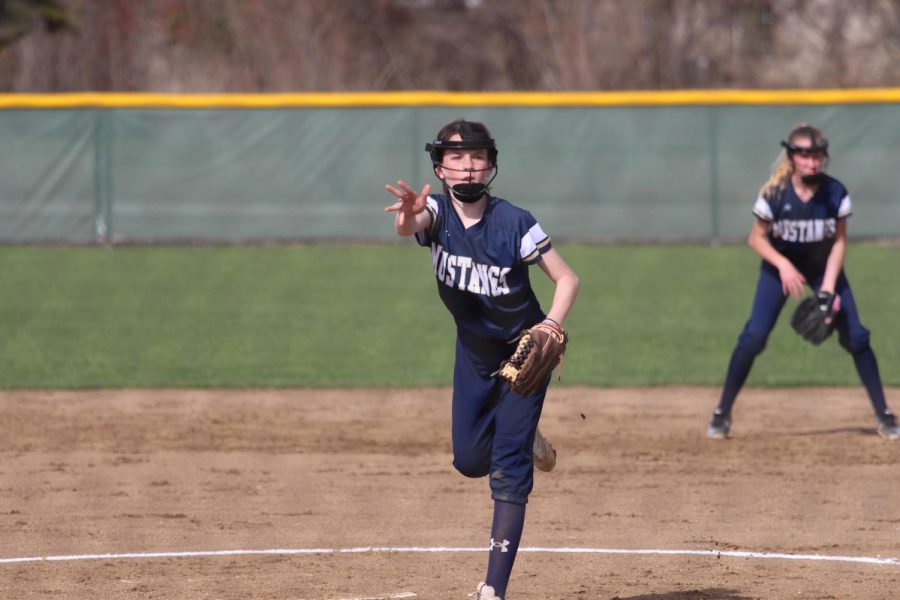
(640, 166)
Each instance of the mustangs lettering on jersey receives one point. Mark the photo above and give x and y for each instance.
(804, 231)
(463, 273)
(482, 270)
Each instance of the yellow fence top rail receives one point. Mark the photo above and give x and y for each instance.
(439, 98)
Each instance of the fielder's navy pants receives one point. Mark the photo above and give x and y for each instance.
(493, 428)
(767, 305)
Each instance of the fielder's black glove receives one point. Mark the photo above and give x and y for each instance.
(809, 318)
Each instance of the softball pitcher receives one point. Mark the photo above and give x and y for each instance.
(800, 232)
(481, 249)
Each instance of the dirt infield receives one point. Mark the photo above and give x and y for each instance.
(303, 477)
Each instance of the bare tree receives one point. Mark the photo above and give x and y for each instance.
(19, 17)
(477, 45)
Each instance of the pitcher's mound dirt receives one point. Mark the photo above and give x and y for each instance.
(174, 471)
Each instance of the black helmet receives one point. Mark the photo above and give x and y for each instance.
(816, 139)
(474, 136)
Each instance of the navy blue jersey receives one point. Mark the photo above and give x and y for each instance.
(482, 271)
(804, 231)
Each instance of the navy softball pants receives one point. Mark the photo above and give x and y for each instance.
(493, 428)
(767, 305)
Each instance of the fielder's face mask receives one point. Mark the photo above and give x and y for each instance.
(472, 139)
(818, 145)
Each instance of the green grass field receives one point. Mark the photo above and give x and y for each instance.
(368, 315)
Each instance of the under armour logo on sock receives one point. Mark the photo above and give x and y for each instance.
(503, 546)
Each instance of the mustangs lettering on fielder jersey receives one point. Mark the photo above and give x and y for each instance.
(804, 231)
(482, 271)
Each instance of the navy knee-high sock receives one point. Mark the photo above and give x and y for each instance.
(738, 370)
(506, 532)
(867, 367)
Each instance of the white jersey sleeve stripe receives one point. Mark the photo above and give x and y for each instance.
(532, 241)
(430, 201)
(527, 248)
(762, 209)
(846, 207)
(431, 206)
(531, 257)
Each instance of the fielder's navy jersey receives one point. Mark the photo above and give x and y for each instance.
(804, 231)
(482, 271)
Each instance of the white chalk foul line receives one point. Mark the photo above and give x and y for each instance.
(388, 597)
(728, 553)
(415, 549)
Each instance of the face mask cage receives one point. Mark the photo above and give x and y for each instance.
(792, 149)
(818, 143)
(465, 192)
(437, 148)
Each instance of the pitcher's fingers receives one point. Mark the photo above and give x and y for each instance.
(421, 199)
(406, 188)
(393, 207)
(394, 191)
